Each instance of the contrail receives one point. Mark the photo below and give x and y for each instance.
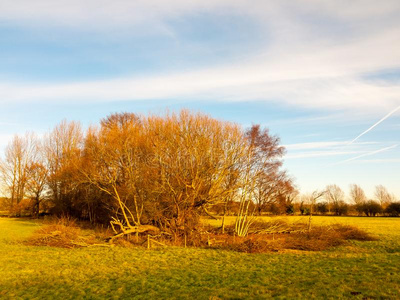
(367, 154)
(376, 124)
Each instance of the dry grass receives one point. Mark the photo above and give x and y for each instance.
(266, 236)
(278, 235)
(63, 232)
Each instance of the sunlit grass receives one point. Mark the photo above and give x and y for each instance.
(358, 270)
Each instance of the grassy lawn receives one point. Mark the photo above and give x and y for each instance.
(360, 270)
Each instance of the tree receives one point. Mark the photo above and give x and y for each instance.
(358, 197)
(312, 199)
(357, 194)
(19, 153)
(36, 184)
(383, 196)
(113, 162)
(271, 184)
(263, 181)
(245, 217)
(287, 195)
(335, 197)
(393, 209)
(62, 151)
(151, 172)
(321, 207)
(163, 171)
(371, 208)
(200, 163)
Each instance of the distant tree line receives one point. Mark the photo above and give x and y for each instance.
(332, 201)
(146, 172)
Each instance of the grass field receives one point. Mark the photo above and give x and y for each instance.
(359, 270)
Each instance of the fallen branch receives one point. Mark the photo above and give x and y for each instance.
(134, 230)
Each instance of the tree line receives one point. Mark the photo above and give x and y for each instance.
(162, 173)
(332, 201)
(145, 172)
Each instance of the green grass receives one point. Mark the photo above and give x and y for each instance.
(360, 270)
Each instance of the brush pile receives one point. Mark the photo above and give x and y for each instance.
(63, 233)
(279, 235)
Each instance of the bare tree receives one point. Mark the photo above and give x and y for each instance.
(113, 162)
(62, 150)
(270, 182)
(245, 217)
(164, 171)
(140, 172)
(357, 194)
(36, 184)
(383, 196)
(335, 197)
(264, 183)
(18, 155)
(200, 161)
(312, 199)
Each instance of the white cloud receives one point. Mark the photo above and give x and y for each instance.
(333, 148)
(314, 154)
(303, 79)
(104, 13)
(319, 145)
(368, 154)
(298, 67)
(380, 161)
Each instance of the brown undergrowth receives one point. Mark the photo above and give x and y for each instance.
(273, 236)
(278, 236)
(65, 232)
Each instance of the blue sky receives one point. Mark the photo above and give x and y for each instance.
(317, 73)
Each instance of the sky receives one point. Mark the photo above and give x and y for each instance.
(324, 76)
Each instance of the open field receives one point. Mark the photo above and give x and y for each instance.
(359, 270)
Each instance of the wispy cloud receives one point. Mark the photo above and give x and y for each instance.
(317, 145)
(380, 161)
(367, 154)
(314, 154)
(321, 73)
(262, 82)
(376, 124)
(324, 149)
(103, 13)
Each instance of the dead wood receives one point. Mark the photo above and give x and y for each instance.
(135, 230)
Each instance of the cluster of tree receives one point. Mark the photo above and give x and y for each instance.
(384, 203)
(146, 172)
(332, 201)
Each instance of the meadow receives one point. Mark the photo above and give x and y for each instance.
(357, 270)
